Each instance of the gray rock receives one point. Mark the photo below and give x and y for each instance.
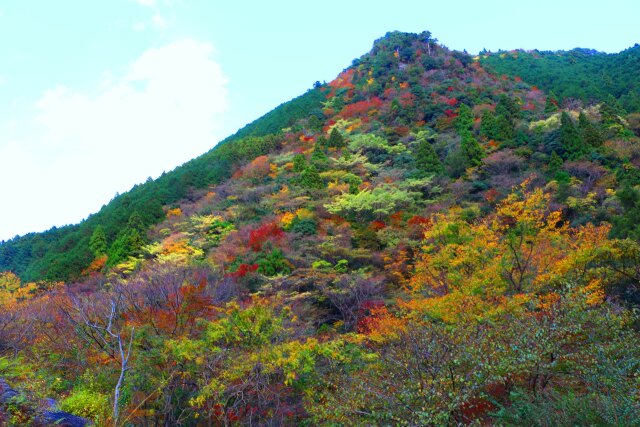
(63, 419)
(52, 416)
(6, 392)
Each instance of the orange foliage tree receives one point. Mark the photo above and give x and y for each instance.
(469, 270)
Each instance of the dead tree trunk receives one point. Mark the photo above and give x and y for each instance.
(111, 341)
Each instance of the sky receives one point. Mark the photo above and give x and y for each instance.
(97, 95)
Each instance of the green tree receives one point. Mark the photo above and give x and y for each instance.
(570, 138)
(504, 129)
(555, 163)
(322, 142)
(354, 182)
(489, 125)
(98, 241)
(469, 146)
(464, 121)
(128, 243)
(336, 139)
(135, 222)
(310, 178)
(314, 124)
(612, 111)
(299, 162)
(507, 112)
(589, 132)
(627, 225)
(472, 150)
(427, 160)
(319, 159)
(508, 108)
(377, 204)
(273, 263)
(551, 104)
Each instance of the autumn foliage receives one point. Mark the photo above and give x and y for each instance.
(418, 242)
(266, 232)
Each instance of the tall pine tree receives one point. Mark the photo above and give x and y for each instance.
(570, 138)
(336, 139)
(98, 241)
(470, 147)
(589, 132)
(427, 161)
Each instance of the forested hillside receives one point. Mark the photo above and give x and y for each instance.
(582, 74)
(424, 240)
(63, 253)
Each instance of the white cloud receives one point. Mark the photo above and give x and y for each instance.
(159, 21)
(163, 111)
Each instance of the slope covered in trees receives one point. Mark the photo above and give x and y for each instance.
(63, 253)
(420, 242)
(582, 74)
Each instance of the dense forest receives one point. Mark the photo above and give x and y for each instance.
(583, 74)
(431, 238)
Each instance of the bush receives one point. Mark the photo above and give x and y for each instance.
(273, 264)
(377, 204)
(88, 404)
(304, 226)
(569, 410)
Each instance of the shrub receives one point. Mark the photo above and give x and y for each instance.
(273, 263)
(88, 404)
(304, 226)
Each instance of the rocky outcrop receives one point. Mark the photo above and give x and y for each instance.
(6, 392)
(63, 419)
(50, 416)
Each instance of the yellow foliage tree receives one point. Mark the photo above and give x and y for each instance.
(12, 290)
(523, 250)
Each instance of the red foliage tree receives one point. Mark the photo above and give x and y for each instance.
(243, 270)
(259, 236)
(360, 108)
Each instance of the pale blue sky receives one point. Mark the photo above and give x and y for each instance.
(97, 95)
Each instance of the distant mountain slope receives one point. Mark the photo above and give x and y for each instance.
(579, 73)
(63, 253)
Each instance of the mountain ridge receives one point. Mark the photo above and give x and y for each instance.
(172, 186)
(579, 73)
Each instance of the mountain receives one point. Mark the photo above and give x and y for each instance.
(425, 240)
(581, 74)
(63, 253)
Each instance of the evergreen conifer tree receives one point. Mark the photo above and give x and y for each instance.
(427, 160)
(489, 125)
(98, 241)
(570, 138)
(299, 162)
(310, 178)
(589, 132)
(336, 139)
(551, 105)
(470, 147)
